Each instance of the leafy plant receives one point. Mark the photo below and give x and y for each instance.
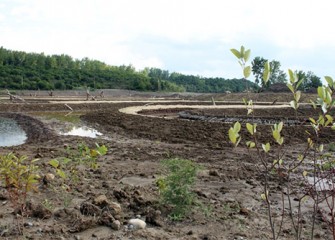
(19, 177)
(176, 188)
(270, 158)
(67, 168)
(89, 156)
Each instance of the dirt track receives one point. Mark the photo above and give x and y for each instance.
(228, 184)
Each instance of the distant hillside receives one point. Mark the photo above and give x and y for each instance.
(32, 71)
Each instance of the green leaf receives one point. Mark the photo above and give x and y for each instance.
(263, 196)
(313, 104)
(232, 135)
(61, 173)
(237, 127)
(281, 161)
(281, 141)
(297, 96)
(247, 55)
(54, 163)
(330, 81)
(247, 71)
(250, 144)
(294, 104)
(324, 107)
(310, 142)
(242, 51)
(267, 72)
(292, 76)
(290, 86)
(94, 153)
(250, 110)
(35, 160)
(102, 150)
(276, 135)
(250, 128)
(305, 173)
(266, 147)
(236, 53)
(321, 92)
(312, 120)
(280, 126)
(321, 148)
(329, 120)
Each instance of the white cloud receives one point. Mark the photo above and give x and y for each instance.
(169, 33)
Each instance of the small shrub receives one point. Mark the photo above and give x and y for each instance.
(18, 177)
(68, 168)
(176, 188)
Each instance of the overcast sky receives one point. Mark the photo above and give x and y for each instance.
(186, 36)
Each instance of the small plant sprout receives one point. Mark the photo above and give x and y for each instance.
(19, 177)
(243, 57)
(293, 85)
(234, 135)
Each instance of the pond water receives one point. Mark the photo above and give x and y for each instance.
(11, 134)
(82, 131)
(67, 123)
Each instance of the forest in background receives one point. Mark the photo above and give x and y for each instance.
(33, 71)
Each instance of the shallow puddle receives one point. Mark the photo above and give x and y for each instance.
(82, 131)
(67, 123)
(11, 134)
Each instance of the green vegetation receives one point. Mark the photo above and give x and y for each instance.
(176, 188)
(67, 167)
(311, 81)
(32, 71)
(271, 159)
(18, 177)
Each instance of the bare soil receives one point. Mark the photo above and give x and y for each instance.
(229, 185)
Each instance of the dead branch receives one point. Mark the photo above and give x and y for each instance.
(70, 108)
(14, 97)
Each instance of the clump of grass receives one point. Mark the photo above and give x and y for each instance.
(176, 188)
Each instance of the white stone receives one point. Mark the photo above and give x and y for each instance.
(137, 223)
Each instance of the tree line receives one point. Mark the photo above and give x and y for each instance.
(310, 80)
(32, 71)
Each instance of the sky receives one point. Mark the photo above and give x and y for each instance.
(185, 36)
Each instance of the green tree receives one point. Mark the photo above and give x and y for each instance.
(258, 69)
(277, 75)
(310, 80)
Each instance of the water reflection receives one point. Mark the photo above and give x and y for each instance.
(67, 123)
(81, 131)
(11, 134)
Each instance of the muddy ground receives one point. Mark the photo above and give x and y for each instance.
(229, 186)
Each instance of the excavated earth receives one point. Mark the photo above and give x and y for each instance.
(228, 186)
